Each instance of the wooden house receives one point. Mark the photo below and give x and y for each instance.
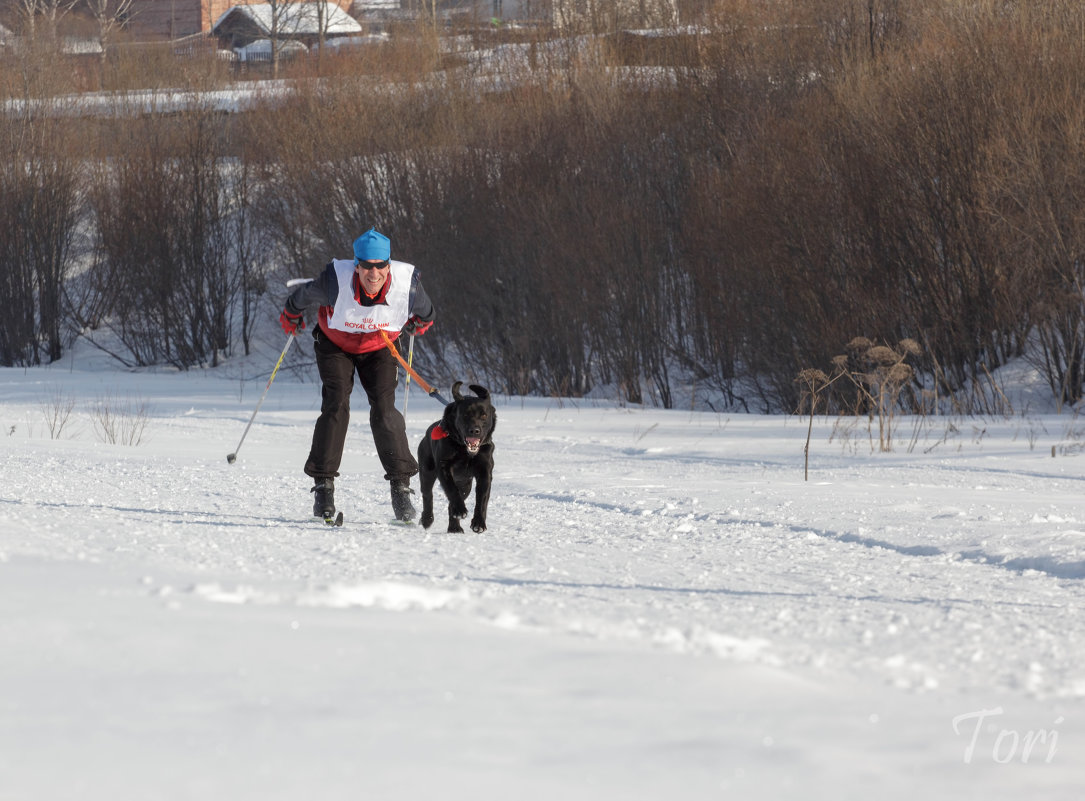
(176, 19)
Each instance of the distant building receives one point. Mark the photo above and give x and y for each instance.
(598, 16)
(69, 45)
(243, 25)
(175, 19)
(359, 8)
(608, 16)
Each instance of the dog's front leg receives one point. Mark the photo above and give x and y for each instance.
(457, 509)
(484, 470)
(426, 480)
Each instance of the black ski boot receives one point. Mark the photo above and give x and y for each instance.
(401, 501)
(324, 498)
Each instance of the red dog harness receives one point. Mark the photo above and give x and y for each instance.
(438, 432)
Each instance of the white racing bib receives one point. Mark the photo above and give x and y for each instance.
(349, 315)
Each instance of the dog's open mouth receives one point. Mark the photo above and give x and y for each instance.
(473, 444)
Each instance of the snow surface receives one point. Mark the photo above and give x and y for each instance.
(662, 607)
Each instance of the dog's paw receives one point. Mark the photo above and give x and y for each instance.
(478, 525)
(426, 519)
(454, 526)
(457, 509)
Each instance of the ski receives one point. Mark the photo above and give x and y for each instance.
(334, 521)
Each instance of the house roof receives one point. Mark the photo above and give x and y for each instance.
(363, 6)
(294, 18)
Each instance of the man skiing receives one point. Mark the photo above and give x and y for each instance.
(355, 301)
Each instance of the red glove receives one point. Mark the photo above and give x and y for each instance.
(291, 323)
(417, 326)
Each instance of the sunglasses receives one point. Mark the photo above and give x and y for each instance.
(369, 265)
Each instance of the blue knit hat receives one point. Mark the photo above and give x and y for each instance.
(372, 246)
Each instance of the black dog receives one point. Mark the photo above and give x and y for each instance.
(455, 451)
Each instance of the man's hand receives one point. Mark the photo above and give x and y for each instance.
(291, 323)
(418, 327)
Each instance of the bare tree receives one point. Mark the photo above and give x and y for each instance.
(322, 9)
(109, 16)
(176, 242)
(48, 13)
(287, 18)
(40, 196)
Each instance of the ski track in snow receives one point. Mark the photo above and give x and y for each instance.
(957, 569)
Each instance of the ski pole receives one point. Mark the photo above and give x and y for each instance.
(232, 457)
(407, 380)
(410, 370)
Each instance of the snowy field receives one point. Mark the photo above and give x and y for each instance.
(662, 607)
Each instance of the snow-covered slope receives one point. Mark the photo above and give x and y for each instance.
(661, 607)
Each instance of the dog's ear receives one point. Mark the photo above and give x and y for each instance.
(448, 419)
(481, 392)
(456, 395)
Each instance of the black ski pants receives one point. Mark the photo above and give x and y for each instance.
(377, 372)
